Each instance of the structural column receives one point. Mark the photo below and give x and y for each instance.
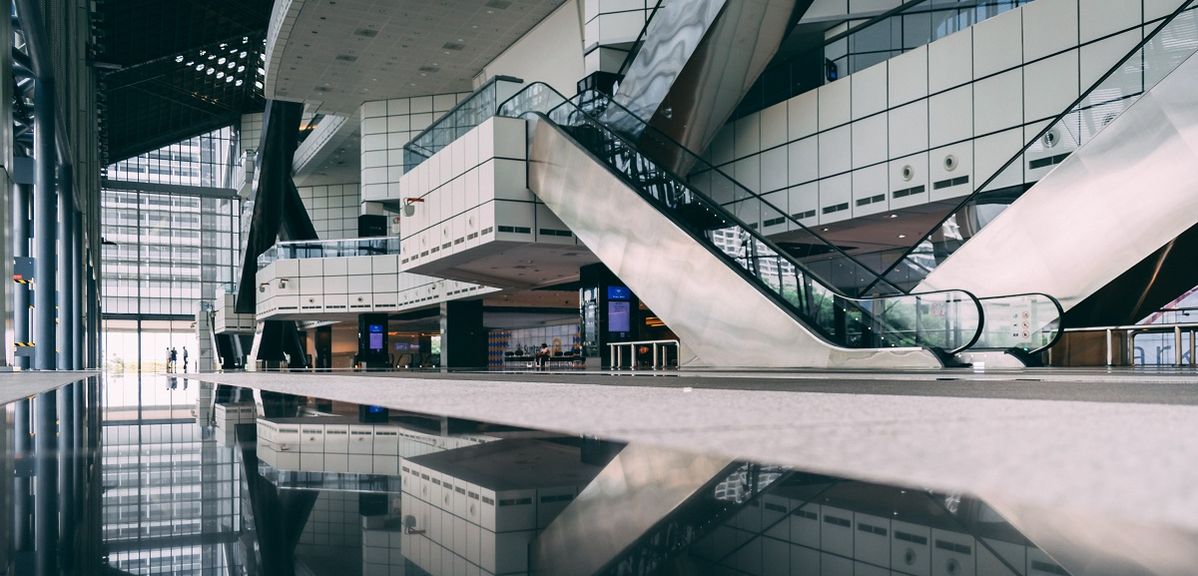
(45, 447)
(76, 293)
(21, 229)
(463, 337)
(22, 504)
(66, 317)
(45, 226)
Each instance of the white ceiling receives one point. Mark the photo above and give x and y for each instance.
(340, 53)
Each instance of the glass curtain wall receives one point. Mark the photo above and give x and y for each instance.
(172, 234)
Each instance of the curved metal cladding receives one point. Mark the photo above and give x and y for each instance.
(723, 320)
(699, 58)
(1119, 204)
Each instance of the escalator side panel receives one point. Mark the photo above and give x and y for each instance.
(635, 491)
(1123, 196)
(721, 318)
(699, 59)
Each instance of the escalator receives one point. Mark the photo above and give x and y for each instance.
(733, 297)
(1111, 230)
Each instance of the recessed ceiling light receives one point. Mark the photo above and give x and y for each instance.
(894, 215)
(902, 235)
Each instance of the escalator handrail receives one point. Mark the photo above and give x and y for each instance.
(699, 161)
(756, 236)
(1060, 331)
(981, 189)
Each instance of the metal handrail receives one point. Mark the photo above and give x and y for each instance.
(725, 215)
(1048, 126)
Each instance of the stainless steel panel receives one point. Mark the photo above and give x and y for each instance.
(640, 487)
(1119, 198)
(1087, 543)
(699, 59)
(722, 319)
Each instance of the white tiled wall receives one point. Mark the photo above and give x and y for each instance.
(780, 535)
(474, 529)
(354, 284)
(312, 445)
(936, 121)
(251, 130)
(333, 208)
(229, 321)
(609, 29)
(389, 124)
(475, 192)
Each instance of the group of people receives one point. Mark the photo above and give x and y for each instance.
(172, 359)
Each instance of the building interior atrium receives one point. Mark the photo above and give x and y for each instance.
(599, 287)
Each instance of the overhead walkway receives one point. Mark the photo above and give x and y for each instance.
(1109, 232)
(733, 297)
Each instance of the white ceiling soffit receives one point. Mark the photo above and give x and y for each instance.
(340, 53)
(330, 153)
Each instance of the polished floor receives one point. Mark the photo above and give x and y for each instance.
(710, 473)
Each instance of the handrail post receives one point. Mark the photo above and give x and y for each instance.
(1108, 347)
(1177, 345)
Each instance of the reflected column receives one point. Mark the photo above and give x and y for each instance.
(66, 468)
(45, 507)
(22, 505)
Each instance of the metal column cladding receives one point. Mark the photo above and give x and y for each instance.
(45, 225)
(22, 195)
(63, 300)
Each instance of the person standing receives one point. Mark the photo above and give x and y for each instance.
(184, 359)
(173, 358)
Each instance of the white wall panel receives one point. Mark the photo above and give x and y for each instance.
(1051, 86)
(803, 159)
(803, 115)
(908, 131)
(773, 126)
(908, 173)
(938, 170)
(869, 141)
(835, 151)
(870, 190)
(748, 135)
(1049, 26)
(869, 91)
(998, 102)
(950, 116)
(835, 192)
(991, 152)
(908, 76)
(950, 61)
(835, 101)
(998, 43)
(774, 169)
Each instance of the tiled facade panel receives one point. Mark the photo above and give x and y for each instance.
(473, 192)
(938, 120)
(780, 535)
(251, 131)
(333, 208)
(386, 126)
(354, 284)
(609, 29)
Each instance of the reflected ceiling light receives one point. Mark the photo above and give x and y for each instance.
(199, 67)
(258, 85)
(261, 72)
(222, 60)
(211, 70)
(894, 215)
(242, 54)
(229, 78)
(190, 63)
(237, 83)
(220, 75)
(241, 69)
(902, 236)
(203, 52)
(179, 58)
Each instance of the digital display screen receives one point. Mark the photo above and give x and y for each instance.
(619, 293)
(375, 410)
(376, 337)
(619, 316)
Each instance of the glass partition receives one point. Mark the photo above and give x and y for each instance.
(375, 246)
(463, 118)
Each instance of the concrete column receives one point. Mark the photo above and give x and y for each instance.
(45, 447)
(66, 237)
(463, 337)
(21, 232)
(45, 226)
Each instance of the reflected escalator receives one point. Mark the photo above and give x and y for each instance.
(734, 297)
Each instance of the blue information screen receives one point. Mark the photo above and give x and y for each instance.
(376, 337)
(618, 293)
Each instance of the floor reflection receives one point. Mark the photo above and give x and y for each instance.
(206, 480)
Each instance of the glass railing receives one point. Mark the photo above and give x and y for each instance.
(945, 321)
(1026, 322)
(464, 117)
(301, 249)
(1172, 40)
